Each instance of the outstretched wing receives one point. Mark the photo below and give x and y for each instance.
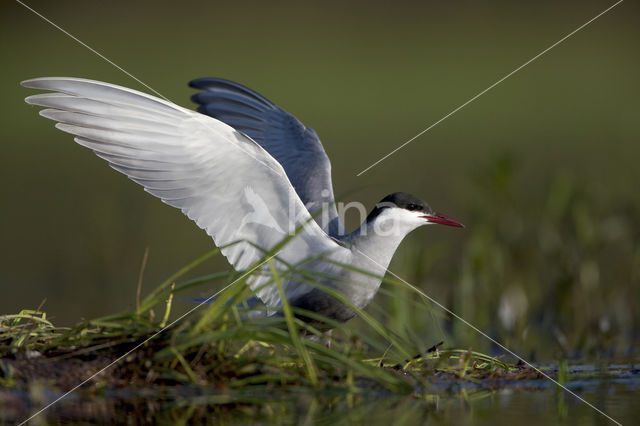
(222, 180)
(296, 147)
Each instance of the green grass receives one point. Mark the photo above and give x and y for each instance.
(561, 253)
(216, 345)
(548, 249)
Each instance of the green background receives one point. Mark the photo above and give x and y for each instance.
(543, 169)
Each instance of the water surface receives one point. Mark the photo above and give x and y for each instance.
(614, 389)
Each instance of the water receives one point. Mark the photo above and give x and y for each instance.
(614, 389)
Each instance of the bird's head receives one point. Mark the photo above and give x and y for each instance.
(401, 213)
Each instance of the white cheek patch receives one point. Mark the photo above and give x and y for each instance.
(397, 222)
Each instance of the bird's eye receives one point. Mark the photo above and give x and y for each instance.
(414, 207)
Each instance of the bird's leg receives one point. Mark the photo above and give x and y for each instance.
(328, 336)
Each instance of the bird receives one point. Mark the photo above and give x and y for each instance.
(252, 176)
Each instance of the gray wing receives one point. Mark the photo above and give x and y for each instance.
(296, 147)
(222, 180)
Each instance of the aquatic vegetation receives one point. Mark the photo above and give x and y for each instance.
(524, 277)
(219, 346)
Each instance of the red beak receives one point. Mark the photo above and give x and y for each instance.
(442, 220)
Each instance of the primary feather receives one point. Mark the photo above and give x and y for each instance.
(296, 147)
(188, 160)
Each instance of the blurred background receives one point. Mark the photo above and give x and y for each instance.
(543, 169)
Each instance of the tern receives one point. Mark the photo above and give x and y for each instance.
(248, 173)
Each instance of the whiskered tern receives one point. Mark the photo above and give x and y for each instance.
(250, 175)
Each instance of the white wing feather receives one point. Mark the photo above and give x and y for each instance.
(216, 175)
